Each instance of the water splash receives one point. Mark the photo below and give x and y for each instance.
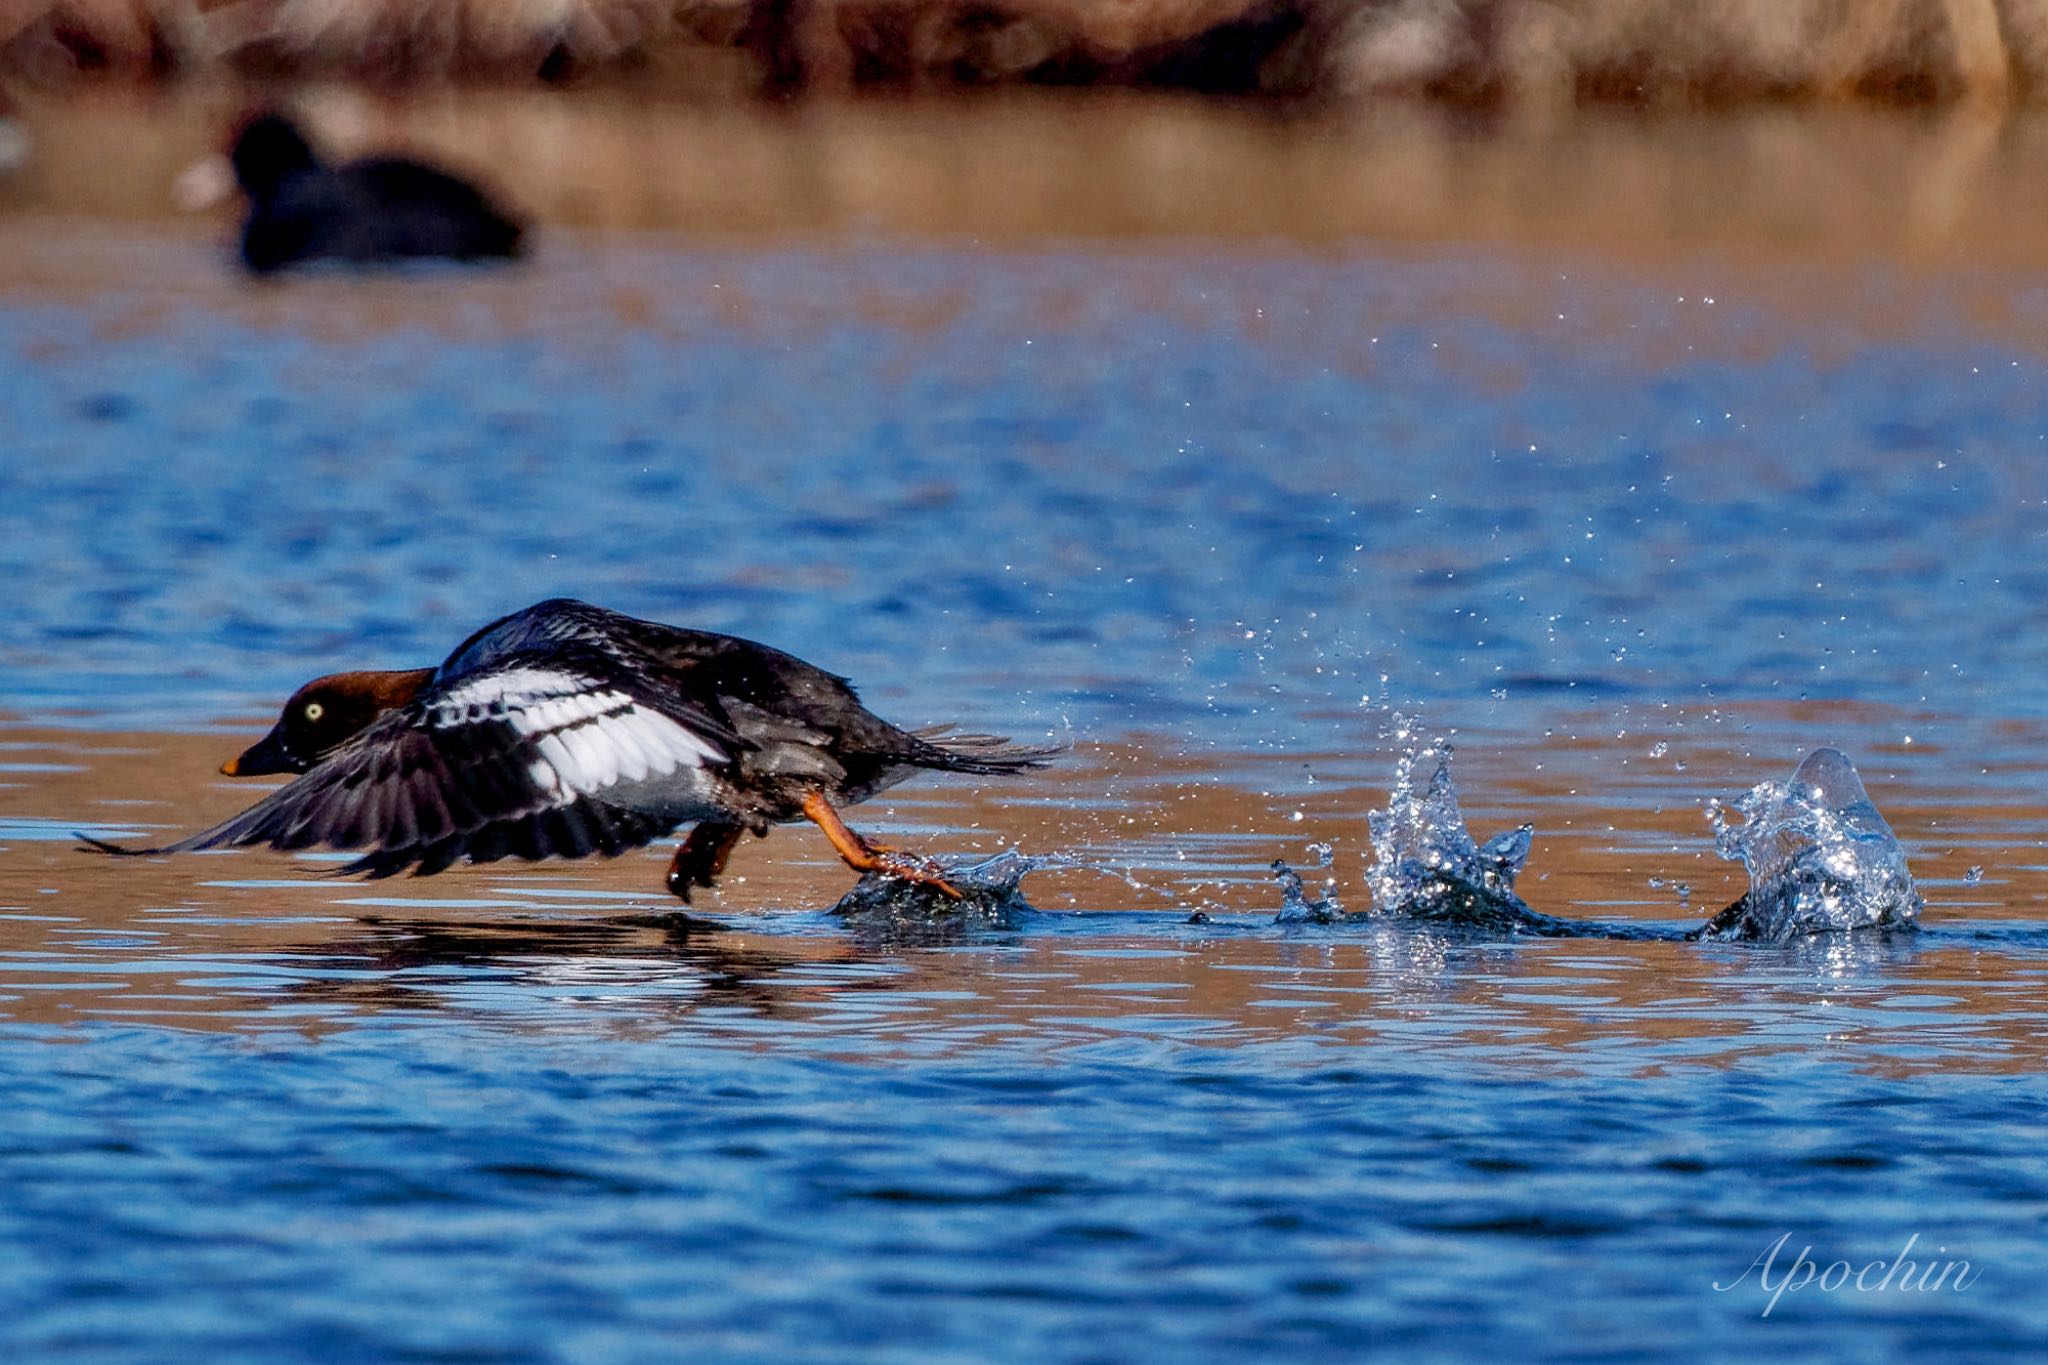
(1819, 856)
(1423, 853)
(1427, 868)
(990, 893)
(1296, 905)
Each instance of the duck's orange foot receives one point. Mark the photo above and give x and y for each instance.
(922, 871)
(862, 856)
(700, 858)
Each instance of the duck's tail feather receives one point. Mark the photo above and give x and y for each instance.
(992, 755)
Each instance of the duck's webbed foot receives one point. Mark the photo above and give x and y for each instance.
(701, 857)
(862, 856)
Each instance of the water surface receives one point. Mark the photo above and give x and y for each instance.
(1636, 534)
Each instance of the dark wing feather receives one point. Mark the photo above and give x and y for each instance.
(517, 760)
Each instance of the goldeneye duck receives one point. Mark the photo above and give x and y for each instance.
(376, 210)
(565, 730)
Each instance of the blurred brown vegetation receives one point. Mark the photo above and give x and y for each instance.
(1653, 51)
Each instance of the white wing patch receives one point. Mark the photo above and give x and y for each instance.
(586, 735)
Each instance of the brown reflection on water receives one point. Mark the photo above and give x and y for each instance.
(252, 941)
(1963, 187)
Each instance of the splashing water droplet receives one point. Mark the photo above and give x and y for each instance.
(1974, 877)
(1421, 845)
(1819, 857)
(989, 891)
(1296, 905)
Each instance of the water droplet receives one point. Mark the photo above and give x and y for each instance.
(1819, 855)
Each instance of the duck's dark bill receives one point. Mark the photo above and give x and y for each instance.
(261, 759)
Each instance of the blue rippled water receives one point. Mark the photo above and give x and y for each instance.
(1206, 513)
(1161, 490)
(426, 1194)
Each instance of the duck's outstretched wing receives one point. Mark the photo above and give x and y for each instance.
(526, 759)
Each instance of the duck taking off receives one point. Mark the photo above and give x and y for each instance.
(565, 730)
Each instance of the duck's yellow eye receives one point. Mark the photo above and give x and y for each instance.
(314, 710)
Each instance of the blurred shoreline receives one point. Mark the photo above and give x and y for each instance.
(1525, 52)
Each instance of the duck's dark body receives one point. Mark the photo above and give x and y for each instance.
(565, 730)
(793, 728)
(377, 210)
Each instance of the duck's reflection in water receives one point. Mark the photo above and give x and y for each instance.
(663, 965)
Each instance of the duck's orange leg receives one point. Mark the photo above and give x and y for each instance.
(862, 856)
(701, 857)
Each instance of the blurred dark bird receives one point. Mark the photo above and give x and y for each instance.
(565, 730)
(372, 211)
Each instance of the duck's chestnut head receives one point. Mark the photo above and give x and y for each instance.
(324, 715)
